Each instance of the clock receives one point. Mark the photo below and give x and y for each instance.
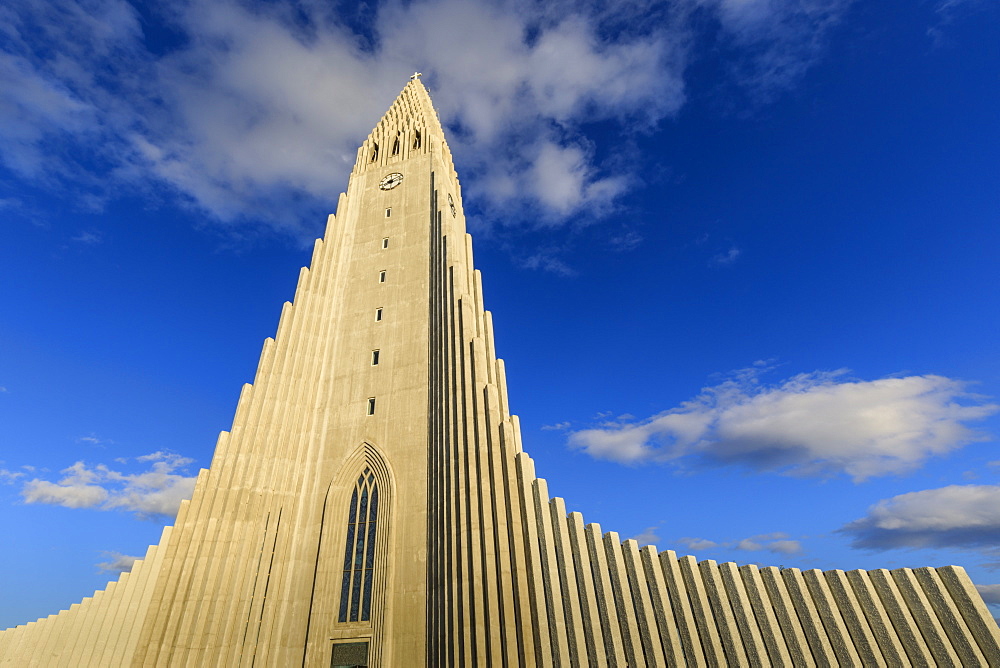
(451, 203)
(390, 181)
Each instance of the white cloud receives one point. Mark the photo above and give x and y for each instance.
(950, 12)
(782, 545)
(257, 106)
(730, 256)
(777, 40)
(547, 260)
(953, 517)
(157, 491)
(697, 544)
(647, 537)
(628, 240)
(9, 477)
(990, 593)
(117, 562)
(809, 425)
(67, 492)
(778, 543)
(88, 238)
(558, 426)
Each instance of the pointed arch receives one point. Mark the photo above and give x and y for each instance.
(352, 551)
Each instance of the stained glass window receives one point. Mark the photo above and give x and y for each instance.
(359, 554)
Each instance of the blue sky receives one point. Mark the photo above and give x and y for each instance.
(741, 256)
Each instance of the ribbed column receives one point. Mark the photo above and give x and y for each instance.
(554, 600)
(591, 626)
(683, 614)
(745, 619)
(780, 651)
(973, 610)
(649, 633)
(905, 626)
(540, 630)
(928, 623)
(631, 639)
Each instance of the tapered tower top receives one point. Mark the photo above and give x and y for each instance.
(411, 126)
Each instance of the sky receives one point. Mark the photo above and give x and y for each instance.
(741, 257)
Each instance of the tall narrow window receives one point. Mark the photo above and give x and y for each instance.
(381, 277)
(374, 151)
(395, 145)
(371, 405)
(374, 358)
(378, 314)
(359, 555)
(385, 242)
(416, 139)
(388, 212)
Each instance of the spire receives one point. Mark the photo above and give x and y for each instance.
(410, 127)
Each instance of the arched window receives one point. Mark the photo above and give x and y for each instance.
(395, 145)
(374, 151)
(416, 139)
(359, 555)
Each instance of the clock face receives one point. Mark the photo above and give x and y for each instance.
(390, 181)
(451, 203)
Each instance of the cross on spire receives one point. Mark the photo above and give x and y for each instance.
(415, 76)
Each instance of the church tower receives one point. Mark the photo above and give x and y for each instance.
(372, 505)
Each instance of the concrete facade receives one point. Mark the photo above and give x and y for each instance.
(372, 505)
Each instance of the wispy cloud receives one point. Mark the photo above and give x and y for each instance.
(88, 238)
(547, 260)
(697, 544)
(647, 537)
(813, 424)
(776, 41)
(628, 240)
(256, 105)
(8, 477)
(778, 543)
(950, 12)
(558, 426)
(157, 491)
(728, 257)
(117, 562)
(94, 439)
